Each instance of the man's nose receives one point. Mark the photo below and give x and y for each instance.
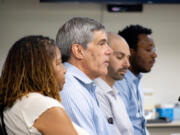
(109, 50)
(154, 52)
(126, 62)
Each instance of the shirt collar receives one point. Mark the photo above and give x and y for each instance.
(103, 85)
(77, 73)
(131, 77)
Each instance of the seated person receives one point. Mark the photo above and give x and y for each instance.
(30, 81)
(109, 100)
(142, 59)
(83, 43)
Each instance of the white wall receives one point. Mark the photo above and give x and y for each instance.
(19, 18)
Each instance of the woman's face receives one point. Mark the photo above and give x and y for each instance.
(59, 69)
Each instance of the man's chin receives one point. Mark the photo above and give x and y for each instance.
(118, 78)
(101, 73)
(104, 72)
(146, 70)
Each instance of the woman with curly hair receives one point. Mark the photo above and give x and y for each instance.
(30, 81)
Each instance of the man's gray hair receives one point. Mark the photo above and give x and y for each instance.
(78, 30)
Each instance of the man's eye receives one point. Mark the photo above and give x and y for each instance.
(119, 57)
(102, 43)
(148, 50)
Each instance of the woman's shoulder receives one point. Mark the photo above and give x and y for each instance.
(37, 99)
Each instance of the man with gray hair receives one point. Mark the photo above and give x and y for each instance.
(84, 49)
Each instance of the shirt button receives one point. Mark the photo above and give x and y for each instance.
(137, 115)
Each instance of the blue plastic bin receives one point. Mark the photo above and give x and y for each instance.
(165, 111)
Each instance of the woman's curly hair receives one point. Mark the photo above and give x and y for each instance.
(28, 68)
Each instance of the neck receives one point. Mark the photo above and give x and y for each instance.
(81, 67)
(108, 80)
(134, 71)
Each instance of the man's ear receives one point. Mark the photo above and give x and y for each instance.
(77, 51)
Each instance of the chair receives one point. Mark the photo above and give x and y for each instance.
(2, 125)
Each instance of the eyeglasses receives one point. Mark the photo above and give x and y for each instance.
(154, 50)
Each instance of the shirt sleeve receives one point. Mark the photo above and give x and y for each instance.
(35, 105)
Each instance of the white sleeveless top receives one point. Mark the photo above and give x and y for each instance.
(20, 118)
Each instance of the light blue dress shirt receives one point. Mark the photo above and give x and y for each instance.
(132, 94)
(80, 102)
